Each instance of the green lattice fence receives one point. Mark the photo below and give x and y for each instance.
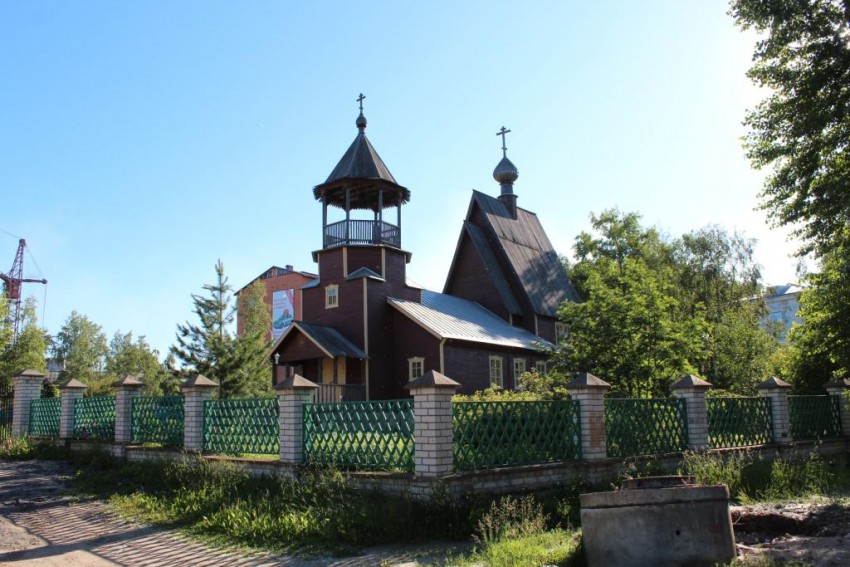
(739, 422)
(157, 420)
(94, 418)
(243, 426)
(814, 417)
(44, 417)
(500, 434)
(360, 435)
(645, 427)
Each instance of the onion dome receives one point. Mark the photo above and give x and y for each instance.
(505, 172)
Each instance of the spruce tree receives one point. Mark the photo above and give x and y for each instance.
(209, 347)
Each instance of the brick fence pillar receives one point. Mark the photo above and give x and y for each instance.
(69, 393)
(589, 391)
(839, 389)
(432, 432)
(126, 389)
(692, 389)
(196, 391)
(292, 394)
(777, 391)
(27, 388)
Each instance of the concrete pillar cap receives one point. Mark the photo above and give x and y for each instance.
(773, 383)
(73, 384)
(30, 373)
(199, 381)
(129, 381)
(432, 379)
(689, 381)
(295, 382)
(588, 380)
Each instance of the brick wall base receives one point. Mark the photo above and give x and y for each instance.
(495, 481)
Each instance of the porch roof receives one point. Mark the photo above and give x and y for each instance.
(328, 339)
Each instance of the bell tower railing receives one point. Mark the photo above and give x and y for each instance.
(361, 233)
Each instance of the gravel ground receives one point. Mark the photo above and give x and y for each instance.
(43, 524)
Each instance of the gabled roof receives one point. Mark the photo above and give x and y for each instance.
(527, 255)
(450, 317)
(364, 272)
(327, 339)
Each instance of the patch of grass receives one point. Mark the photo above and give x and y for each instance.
(555, 547)
(321, 510)
(751, 477)
(24, 449)
(512, 532)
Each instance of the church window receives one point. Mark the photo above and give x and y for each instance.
(562, 331)
(496, 377)
(415, 367)
(331, 296)
(519, 369)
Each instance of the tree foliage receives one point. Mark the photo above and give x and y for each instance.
(82, 346)
(821, 346)
(256, 325)
(656, 308)
(802, 132)
(135, 357)
(29, 350)
(802, 128)
(209, 347)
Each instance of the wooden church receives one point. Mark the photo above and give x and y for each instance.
(365, 331)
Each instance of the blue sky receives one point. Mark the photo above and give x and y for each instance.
(142, 141)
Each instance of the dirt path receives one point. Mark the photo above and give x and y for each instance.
(43, 524)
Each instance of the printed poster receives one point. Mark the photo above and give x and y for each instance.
(283, 311)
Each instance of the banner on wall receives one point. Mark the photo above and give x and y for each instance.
(283, 311)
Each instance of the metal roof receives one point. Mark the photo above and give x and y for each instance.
(450, 317)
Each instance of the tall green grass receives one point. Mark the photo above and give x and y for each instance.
(752, 477)
(320, 511)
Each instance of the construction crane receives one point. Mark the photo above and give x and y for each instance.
(12, 287)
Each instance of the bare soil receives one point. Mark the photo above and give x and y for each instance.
(815, 532)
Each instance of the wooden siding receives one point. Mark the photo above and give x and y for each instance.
(473, 280)
(368, 257)
(299, 347)
(469, 364)
(546, 328)
(410, 340)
